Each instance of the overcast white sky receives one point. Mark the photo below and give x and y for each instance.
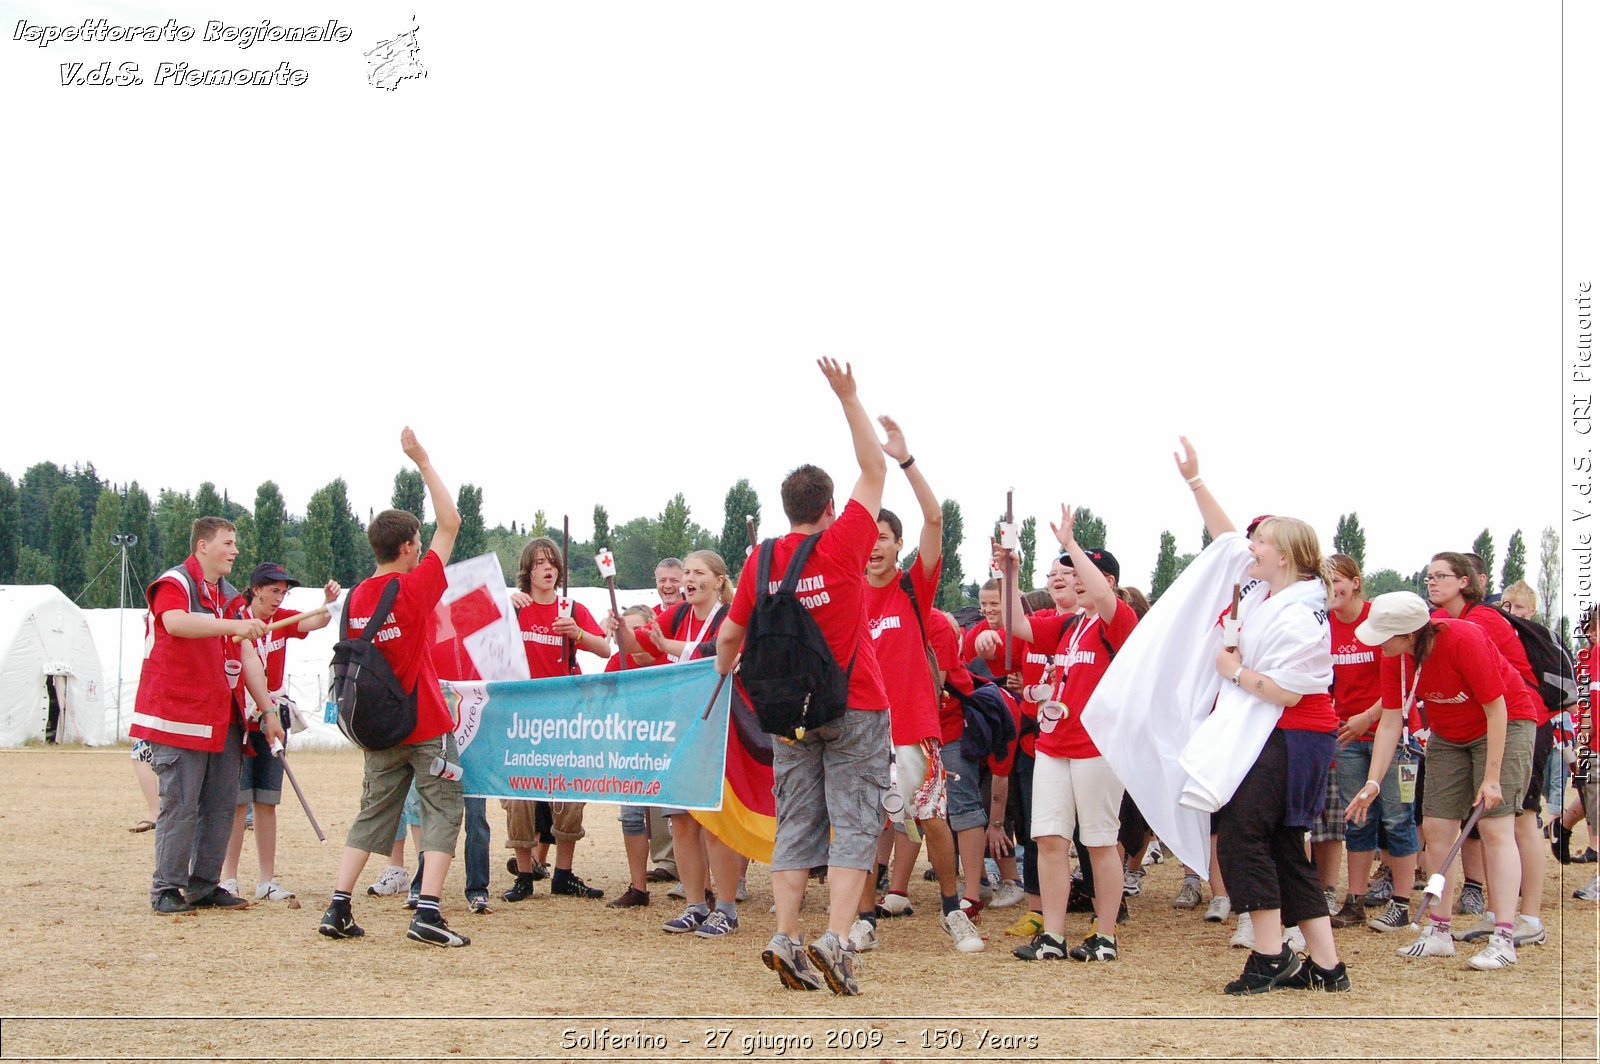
(592, 257)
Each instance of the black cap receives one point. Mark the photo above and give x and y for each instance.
(271, 573)
(1106, 562)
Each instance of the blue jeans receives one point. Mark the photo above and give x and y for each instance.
(477, 825)
(1353, 762)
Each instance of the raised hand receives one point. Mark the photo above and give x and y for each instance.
(895, 446)
(1189, 464)
(842, 381)
(1063, 531)
(413, 449)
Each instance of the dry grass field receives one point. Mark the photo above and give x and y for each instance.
(91, 973)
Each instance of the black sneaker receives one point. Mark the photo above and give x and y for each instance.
(338, 922)
(541, 869)
(569, 885)
(428, 926)
(1043, 947)
(1334, 980)
(1263, 972)
(170, 903)
(219, 899)
(521, 890)
(1353, 911)
(1096, 947)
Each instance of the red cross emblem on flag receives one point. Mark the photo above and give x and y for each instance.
(606, 563)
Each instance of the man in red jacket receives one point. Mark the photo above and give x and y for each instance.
(191, 712)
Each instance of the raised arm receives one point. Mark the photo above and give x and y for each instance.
(1095, 584)
(447, 521)
(1210, 510)
(869, 453)
(1005, 562)
(930, 546)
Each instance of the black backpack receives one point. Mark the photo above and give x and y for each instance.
(707, 649)
(375, 713)
(1557, 685)
(790, 674)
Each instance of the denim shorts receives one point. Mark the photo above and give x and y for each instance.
(964, 802)
(1352, 763)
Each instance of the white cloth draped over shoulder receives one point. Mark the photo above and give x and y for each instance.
(1151, 715)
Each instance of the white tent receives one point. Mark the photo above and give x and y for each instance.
(305, 668)
(47, 651)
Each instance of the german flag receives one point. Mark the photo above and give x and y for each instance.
(748, 819)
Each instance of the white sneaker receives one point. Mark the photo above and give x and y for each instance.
(1332, 897)
(1132, 883)
(1219, 909)
(958, 925)
(894, 904)
(1188, 895)
(1154, 855)
(676, 891)
(1244, 936)
(229, 885)
(392, 881)
(1007, 894)
(1482, 928)
(271, 891)
(1295, 940)
(1501, 952)
(1431, 943)
(741, 892)
(1525, 933)
(1590, 892)
(863, 936)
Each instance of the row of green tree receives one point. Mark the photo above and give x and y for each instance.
(58, 526)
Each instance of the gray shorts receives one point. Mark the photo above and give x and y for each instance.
(835, 778)
(386, 776)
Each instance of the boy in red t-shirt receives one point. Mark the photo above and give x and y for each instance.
(836, 778)
(426, 755)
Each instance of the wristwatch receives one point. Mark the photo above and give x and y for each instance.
(1237, 673)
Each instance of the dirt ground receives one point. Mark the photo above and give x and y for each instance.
(91, 973)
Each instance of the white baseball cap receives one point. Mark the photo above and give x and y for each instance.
(1394, 613)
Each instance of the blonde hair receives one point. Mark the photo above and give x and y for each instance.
(1296, 541)
(1521, 594)
(644, 613)
(719, 569)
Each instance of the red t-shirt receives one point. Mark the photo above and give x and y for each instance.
(548, 653)
(1036, 659)
(689, 629)
(1462, 673)
(947, 652)
(1521, 702)
(1356, 669)
(833, 589)
(997, 664)
(272, 646)
(896, 633)
(406, 638)
(1082, 644)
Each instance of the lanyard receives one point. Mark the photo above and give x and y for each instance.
(1083, 624)
(689, 645)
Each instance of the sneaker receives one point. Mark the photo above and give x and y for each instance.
(1095, 947)
(413, 897)
(1471, 901)
(338, 922)
(863, 936)
(1396, 916)
(1590, 892)
(929, 875)
(717, 924)
(1524, 933)
(1501, 952)
(1335, 980)
(230, 885)
(795, 970)
(1080, 900)
(1028, 924)
(660, 875)
(1219, 909)
(521, 890)
(1188, 896)
(250, 817)
(1433, 942)
(837, 962)
(741, 892)
(219, 899)
(1154, 855)
(632, 898)
(568, 885)
(1483, 928)
(965, 937)
(1007, 894)
(1263, 973)
(478, 905)
(1330, 898)
(170, 903)
(1132, 883)
(894, 903)
(1244, 935)
(1295, 939)
(689, 920)
(392, 881)
(430, 927)
(676, 891)
(1353, 912)
(1044, 947)
(1379, 890)
(271, 891)
(541, 869)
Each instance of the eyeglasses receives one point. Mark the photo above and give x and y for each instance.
(1434, 578)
